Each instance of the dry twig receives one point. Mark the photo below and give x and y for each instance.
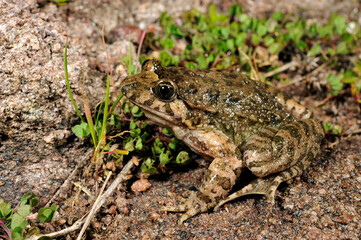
(122, 177)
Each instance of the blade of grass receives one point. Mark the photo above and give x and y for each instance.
(108, 59)
(88, 116)
(67, 80)
(105, 116)
(130, 58)
(99, 111)
(115, 103)
(139, 48)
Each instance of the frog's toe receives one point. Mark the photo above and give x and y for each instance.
(190, 213)
(178, 208)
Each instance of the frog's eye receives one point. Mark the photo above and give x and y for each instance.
(165, 91)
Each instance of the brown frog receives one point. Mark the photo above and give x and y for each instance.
(234, 121)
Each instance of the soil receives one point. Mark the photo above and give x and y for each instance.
(38, 151)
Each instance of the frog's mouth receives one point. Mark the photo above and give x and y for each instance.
(159, 117)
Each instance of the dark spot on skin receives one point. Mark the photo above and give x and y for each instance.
(293, 130)
(265, 135)
(303, 155)
(224, 182)
(201, 196)
(305, 127)
(229, 82)
(168, 109)
(234, 100)
(149, 102)
(218, 199)
(134, 96)
(193, 188)
(212, 80)
(192, 89)
(213, 96)
(278, 140)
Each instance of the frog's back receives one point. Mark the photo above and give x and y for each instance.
(232, 101)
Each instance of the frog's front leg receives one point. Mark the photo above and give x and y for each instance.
(219, 180)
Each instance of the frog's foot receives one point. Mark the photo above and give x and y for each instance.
(191, 206)
(264, 186)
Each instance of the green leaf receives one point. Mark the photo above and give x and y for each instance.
(275, 48)
(5, 209)
(256, 39)
(261, 30)
(336, 83)
(340, 23)
(24, 210)
(182, 158)
(45, 238)
(32, 231)
(30, 199)
(301, 45)
(164, 157)
(268, 41)
(191, 65)
(202, 25)
(139, 144)
(176, 31)
(271, 25)
(135, 132)
(165, 58)
(202, 62)
(172, 146)
(129, 146)
(167, 43)
(47, 214)
(230, 44)
(137, 112)
(81, 130)
(18, 221)
(17, 233)
(147, 166)
(325, 31)
(240, 38)
(278, 16)
(296, 30)
(342, 48)
(337, 129)
(132, 125)
(165, 19)
(126, 107)
(316, 49)
(235, 10)
(166, 132)
(327, 126)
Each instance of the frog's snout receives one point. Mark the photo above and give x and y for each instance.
(127, 87)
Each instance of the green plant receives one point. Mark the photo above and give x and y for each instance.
(215, 40)
(14, 222)
(335, 129)
(59, 2)
(135, 133)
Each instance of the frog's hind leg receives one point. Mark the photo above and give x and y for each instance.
(273, 150)
(279, 154)
(267, 186)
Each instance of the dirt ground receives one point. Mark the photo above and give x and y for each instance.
(38, 151)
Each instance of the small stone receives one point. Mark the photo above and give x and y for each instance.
(141, 185)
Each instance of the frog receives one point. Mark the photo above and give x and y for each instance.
(232, 120)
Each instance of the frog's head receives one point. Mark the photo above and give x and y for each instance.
(156, 92)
